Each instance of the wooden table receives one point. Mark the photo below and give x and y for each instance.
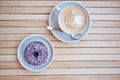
(96, 57)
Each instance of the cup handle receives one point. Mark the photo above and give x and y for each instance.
(58, 9)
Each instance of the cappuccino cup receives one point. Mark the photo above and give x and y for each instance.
(72, 19)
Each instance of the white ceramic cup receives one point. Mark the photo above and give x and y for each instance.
(60, 10)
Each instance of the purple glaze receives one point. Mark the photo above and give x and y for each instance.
(36, 53)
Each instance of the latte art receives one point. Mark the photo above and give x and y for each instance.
(78, 20)
(72, 20)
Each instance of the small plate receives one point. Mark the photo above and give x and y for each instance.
(21, 49)
(53, 22)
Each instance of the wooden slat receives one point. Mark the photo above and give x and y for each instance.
(21, 36)
(45, 30)
(104, 10)
(25, 30)
(24, 24)
(30, 3)
(105, 30)
(109, 37)
(8, 51)
(45, 17)
(53, 3)
(105, 17)
(10, 65)
(105, 24)
(8, 58)
(89, 44)
(44, 23)
(62, 71)
(31, 10)
(23, 17)
(38, 10)
(101, 37)
(86, 64)
(6, 44)
(68, 57)
(57, 65)
(70, 77)
(68, 51)
(87, 51)
(86, 57)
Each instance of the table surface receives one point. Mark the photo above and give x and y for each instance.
(96, 57)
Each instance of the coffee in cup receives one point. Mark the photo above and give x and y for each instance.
(72, 19)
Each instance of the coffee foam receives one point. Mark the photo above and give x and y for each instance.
(73, 20)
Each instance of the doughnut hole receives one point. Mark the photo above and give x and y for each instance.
(35, 54)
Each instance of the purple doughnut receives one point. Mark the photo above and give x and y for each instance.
(36, 53)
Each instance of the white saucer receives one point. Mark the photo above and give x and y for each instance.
(21, 49)
(53, 22)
